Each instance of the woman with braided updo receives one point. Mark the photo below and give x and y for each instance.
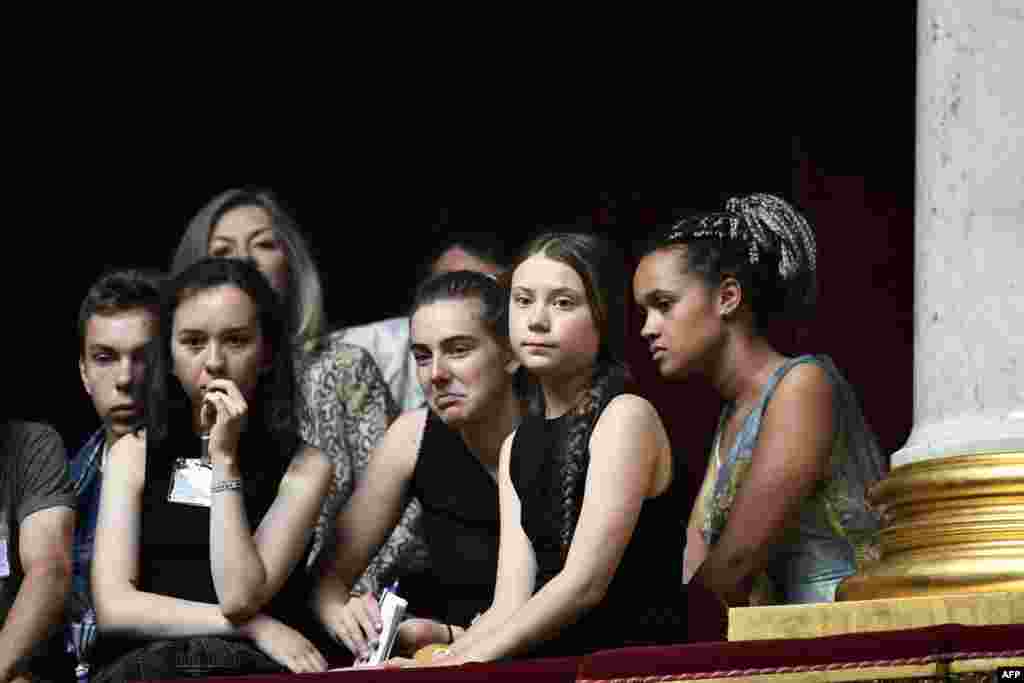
(781, 516)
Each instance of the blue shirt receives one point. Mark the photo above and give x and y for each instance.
(87, 477)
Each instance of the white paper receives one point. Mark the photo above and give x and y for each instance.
(392, 612)
(5, 565)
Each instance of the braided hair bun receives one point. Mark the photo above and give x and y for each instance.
(763, 242)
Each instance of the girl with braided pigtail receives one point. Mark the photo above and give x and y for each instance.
(590, 546)
(781, 516)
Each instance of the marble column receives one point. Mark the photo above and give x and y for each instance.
(955, 496)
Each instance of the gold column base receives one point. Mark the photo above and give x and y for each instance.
(954, 525)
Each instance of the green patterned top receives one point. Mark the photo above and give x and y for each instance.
(837, 531)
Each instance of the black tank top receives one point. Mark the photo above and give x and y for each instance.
(174, 550)
(645, 602)
(460, 523)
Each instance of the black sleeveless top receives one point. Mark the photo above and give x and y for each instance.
(645, 602)
(174, 549)
(460, 523)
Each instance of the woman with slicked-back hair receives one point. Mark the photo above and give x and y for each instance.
(446, 457)
(781, 516)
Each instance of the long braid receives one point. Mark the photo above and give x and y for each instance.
(608, 382)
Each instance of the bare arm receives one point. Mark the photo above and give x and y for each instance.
(44, 541)
(362, 526)
(249, 569)
(517, 566)
(630, 459)
(121, 608)
(791, 455)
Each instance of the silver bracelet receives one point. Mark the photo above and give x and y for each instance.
(227, 485)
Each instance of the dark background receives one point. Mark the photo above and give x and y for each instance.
(821, 112)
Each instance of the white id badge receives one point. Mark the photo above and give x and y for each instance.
(5, 564)
(190, 482)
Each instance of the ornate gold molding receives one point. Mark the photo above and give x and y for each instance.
(953, 525)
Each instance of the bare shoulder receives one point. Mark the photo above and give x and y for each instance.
(807, 385)
(630, 424)
(401, 443)
(807, 375)
(408, 424)
(133, 443)
(127, 459)
(629, 412)
(799, 421)
(630, 442)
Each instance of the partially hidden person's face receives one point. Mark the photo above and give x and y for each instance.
(113, 363)
(246, 232)
(456, 259)
(682, 326)
(551, 324)
(217, 335)
(464, 370)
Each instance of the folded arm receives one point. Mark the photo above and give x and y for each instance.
(791, 456)
(121, 608)
(250, 568)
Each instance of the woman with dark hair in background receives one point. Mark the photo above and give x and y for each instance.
(445, 456)
(591, 543)
(206, 518)
(346, 405)
(781, 516)
(388, 340)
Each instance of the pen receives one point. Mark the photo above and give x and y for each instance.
(393, 588)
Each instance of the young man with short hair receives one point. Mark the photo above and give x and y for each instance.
(116, 323)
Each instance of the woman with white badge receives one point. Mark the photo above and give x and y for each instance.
(205, 518)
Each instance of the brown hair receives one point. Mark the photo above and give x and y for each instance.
(602, 269)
